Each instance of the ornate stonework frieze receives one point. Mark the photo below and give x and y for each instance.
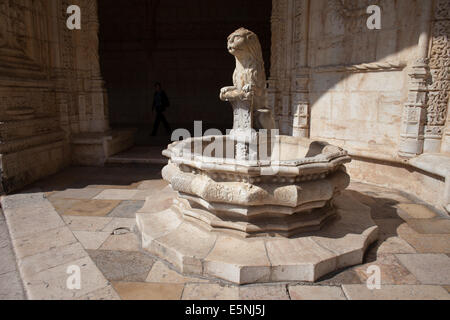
(439, 68)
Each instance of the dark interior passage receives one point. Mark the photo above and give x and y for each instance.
(181, 44)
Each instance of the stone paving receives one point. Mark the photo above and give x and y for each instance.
(86, 217)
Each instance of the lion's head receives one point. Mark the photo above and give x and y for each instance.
(243, 43)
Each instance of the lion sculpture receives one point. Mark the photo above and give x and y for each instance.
(249, 77)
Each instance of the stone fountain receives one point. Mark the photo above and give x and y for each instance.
(253, 205)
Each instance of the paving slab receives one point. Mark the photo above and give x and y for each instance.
(116, 194)
(148, 291)
(391, 271)
(42, 242)
(120, 223)
(91, 240)
(61, 204)
(91, 224)
(345, 276)
(430, 226)
(92, 208)
(29, 214)
(425, 243)
(82, 193)
(51, 284)
(54, 257)
(415, 211)
(316, 293)
(161, 273)
(106, 293)
(7, 258)
(127, 209)
(396, 292)
(393, 245)
(121, 242)
(122, 265)
(210, 291)
(263, 292)
(11, 286)
(155, 184)
(428, 268)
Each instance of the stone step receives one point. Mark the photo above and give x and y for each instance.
(138, 156)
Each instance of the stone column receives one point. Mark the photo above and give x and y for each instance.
(244, 136)
(414, 112)
(300, 82)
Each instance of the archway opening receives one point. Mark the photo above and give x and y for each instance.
(181, 44)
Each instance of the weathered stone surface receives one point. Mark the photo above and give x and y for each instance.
(83, 193)
(116, 194)
(238, 260)
(122, 265)
(43, 242)
(148, 291)
(106, 293)
(425, 243)
(121, 242)
(91, 240)
(185, 255)
(396, 292)
(430, 226)
(316, 293)
(428, 268)
(126, 209)
(257, 259)
(124, 224)
(8, 260)
(51, 284)
(91, 224)
(415, 211)
(29, 214)
(391, 271)
(92, 208)
(11, 286)
(299, 259)
(43, 261)
(161, 273)
(263, 292)
(209, 291)
(155, 184)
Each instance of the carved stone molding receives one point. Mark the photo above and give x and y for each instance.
(439, 89)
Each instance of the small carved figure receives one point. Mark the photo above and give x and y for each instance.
(249, 78)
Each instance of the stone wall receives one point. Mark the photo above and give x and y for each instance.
(380, 94)
(51, 90)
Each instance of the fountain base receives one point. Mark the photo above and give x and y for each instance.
(193, 250)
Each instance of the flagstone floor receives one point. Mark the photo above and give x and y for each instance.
(84, 216)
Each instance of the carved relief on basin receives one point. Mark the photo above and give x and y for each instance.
(287, 191)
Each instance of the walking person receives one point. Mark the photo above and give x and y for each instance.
(160, 103)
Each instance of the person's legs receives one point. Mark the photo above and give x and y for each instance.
(156, 123)
(166, 124)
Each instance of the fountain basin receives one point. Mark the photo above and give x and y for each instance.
(287, 189)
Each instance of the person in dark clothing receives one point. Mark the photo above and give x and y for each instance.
(160, 103)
